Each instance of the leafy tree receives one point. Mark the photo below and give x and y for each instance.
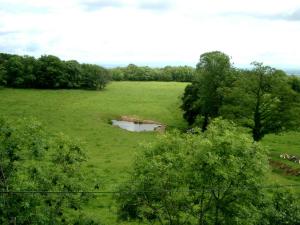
(145, 73)
(73, 75)
(117, 74)
(262, 100)
(282, 208)
(33, 160)
(191, 102)
(294, 81)
(49, 72)
(204, 97)
(15, 71)
(30, 64)
(202, 178)
(94, 77)
(3, 79)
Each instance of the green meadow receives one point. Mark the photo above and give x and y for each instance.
(85, 116)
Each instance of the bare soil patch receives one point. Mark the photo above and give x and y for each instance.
(285, 168)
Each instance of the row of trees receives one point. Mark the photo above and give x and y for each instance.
(263, 99)
(168, 73)
(50, 72)
(33, 160)
(211, 178)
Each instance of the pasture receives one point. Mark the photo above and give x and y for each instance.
(85, 116)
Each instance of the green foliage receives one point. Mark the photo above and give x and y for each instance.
(204, 97)
(74, 74)
(50, 72)
(84, 115)
(138, 73)
(203, 178)
(96, 77)
(263, 100)
(15, 71)
(3, 81)
(33, 160)
(282, 208)
(117, 74)
(294, 81)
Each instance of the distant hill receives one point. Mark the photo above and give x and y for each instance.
(292, 71)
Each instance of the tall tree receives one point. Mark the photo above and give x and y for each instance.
(204, 98)
(262, 100)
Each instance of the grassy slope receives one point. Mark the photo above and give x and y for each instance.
(284, 143)
(84, 115)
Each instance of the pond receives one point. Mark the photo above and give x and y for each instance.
(136, 127)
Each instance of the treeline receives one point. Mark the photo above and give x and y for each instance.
(50, 72)
(168, 73)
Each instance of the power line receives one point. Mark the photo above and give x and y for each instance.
(148, 191)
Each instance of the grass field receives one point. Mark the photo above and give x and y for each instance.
(85, 115)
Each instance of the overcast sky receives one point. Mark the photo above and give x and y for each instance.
(153, 32)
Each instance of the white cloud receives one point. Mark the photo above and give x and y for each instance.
(152, 32)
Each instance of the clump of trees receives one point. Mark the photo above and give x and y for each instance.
(212, 178)
(262, 99)
(168, 73)
(50, 72)
(34, 162)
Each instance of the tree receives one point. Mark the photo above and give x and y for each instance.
(30, 64)
(191, 102)
(294, 81)
(33, 160)
(15, 71)
(262, 100)
(117, 74)
(49, 72)
(204, 98)
(201, 178)
(73, 74)
(3, 79)
(145, 73)
(281, 208)
(94, 77)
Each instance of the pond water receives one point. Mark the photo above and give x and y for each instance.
(136, 127)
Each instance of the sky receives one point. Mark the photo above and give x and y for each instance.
(153, 32)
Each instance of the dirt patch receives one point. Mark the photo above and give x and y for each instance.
(285, 168)
(137, 120)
